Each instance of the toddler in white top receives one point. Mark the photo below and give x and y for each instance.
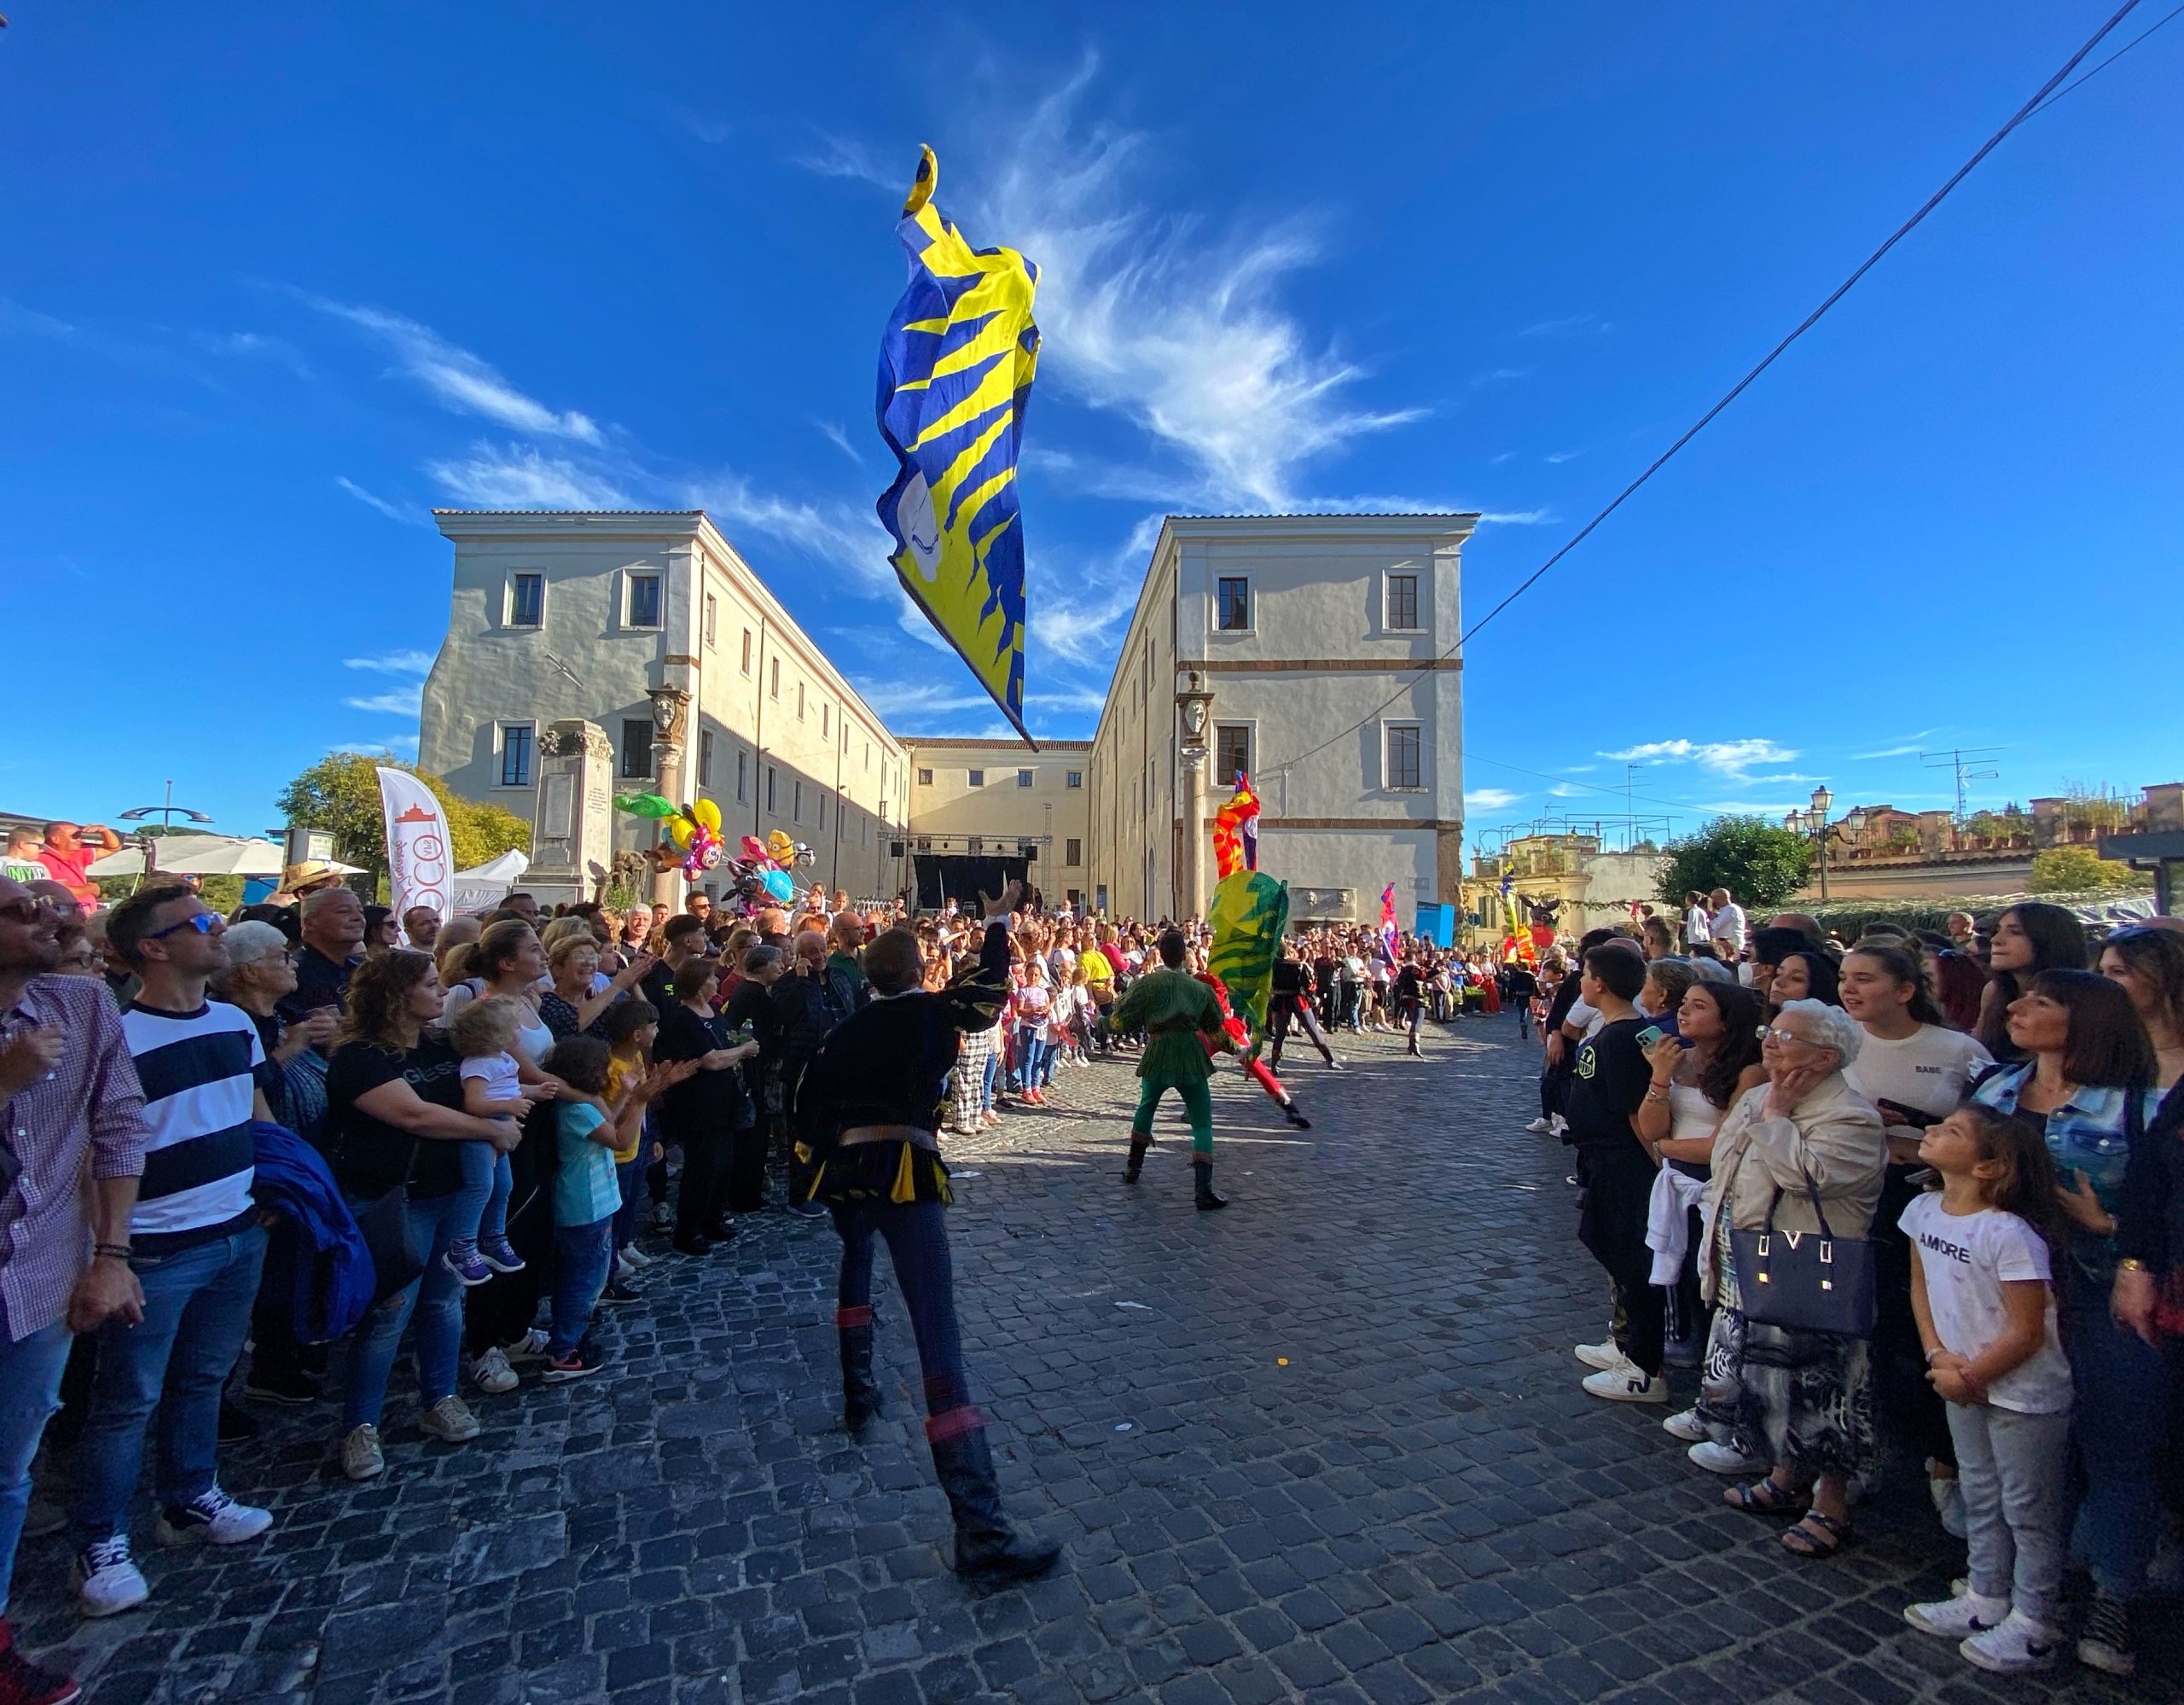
(485, 1033)
(1981, 1289)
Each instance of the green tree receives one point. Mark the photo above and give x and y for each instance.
(2080, 870)
(341, 793)
(1762, 863)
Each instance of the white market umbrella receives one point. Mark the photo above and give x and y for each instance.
(195, 855)
(482, 889)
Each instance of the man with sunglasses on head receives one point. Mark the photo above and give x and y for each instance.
(196, 1247)
(72, 1136)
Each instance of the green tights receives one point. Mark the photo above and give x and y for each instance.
(1197, 1102)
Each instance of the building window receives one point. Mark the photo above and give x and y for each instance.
(796, 802)
(1233, 603)
(747, 650)
(822, 723)
(774, 678)
(705, 757)
(526, 600)
(1232, 752)
(636, 748)
(772, 777)
(822, 807)
(516, 744)
(712, 619)
(1405, 756)
(1072, 851)
(977, 778)
(924, 778)
(1023, 778)
(644, 601)
(1075, 778)
(742, 777)
(799, 702)
(1402, 600)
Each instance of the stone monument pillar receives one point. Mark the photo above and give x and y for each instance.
(670, 709)
(1194, 706)
(573, 835)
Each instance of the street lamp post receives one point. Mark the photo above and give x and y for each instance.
(1815, 823)
(166, 813)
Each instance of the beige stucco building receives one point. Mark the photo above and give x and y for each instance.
(615, 617)
(984, 798)
(1317, 653)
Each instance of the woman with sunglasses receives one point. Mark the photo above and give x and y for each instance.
(2030, 937)
(2086, 1073)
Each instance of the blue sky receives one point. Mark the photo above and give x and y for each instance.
(278, 280)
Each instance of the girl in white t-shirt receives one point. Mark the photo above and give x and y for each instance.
(1982, 1289)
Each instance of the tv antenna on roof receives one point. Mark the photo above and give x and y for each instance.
(1962, 760)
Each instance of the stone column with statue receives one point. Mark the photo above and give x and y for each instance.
(670, 711)
(1195, 711)
(572, 833)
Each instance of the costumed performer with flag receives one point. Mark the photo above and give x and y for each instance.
(1247, 1055)
(1174, 1009)
(1249, 914)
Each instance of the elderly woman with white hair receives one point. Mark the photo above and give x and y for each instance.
(1802, 1149)
(260, 971)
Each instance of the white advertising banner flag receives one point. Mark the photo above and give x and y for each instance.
(419, 864)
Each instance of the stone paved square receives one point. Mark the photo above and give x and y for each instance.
(1329, 1445)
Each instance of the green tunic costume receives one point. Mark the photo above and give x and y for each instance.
(1172, 1008)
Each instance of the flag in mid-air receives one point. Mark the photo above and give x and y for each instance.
(955, 369)
(1388, 923)
(1236, 831)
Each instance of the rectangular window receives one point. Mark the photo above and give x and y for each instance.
(774, 678)
(924, 778)
(977, 778)
(823, 722)
(1074, 779)
(516, 739)
(742, 777)
(526, 600)
(1233, 603)
(1232, 752)
(712, 619)
(1405, 755)
(636, 748)
(799, 702)
(1023, 778)
(1072, 851)
(796, 802)
(747, 650)
(772, 777)
(644, 601)
(822, 807)
(705, 757)
(1402, 600)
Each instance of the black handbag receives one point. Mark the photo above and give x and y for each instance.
(1805, 1281)
(398, 1260)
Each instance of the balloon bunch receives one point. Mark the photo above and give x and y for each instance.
(760, 876)
(693, 843)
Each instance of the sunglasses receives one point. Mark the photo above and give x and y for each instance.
(204, 923)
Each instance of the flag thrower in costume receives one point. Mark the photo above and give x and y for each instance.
(955, 368)
(1388, 924)
(1249, 913)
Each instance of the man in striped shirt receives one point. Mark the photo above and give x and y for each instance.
(195, 1245)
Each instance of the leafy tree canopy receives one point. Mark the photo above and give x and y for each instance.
(341, 793)
(1762, 863)
(2081, 871)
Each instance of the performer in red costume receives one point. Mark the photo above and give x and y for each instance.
(1240, 1033)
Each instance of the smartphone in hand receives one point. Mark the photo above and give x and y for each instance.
(1898, 1114)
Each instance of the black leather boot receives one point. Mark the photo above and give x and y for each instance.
(986, 1547)
(1290, 1112)
(1202, 1173)
(1138, 1145)
(861, 1398)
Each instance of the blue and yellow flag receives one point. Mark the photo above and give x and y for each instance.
(955, 368)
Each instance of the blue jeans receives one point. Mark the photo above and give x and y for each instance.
(2120, 1426)
(197, 1306)
(992, 1070)
(487, 1181)
(630, 1175)
(1032, 1055)
(436, 1299)
(583, 1255)
(917, 1243)
(30, 1391)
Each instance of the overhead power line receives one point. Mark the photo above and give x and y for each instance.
(2048, 91)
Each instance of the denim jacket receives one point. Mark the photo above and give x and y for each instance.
(2092, 1134)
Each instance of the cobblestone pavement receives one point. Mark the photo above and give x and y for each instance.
(1329, 1444)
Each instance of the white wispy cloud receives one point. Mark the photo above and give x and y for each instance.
(17, 320)
(403, 746)
(408, 700)
(1570, 325)
(902, 702)
(1149, 319)
(393, 663)
(1557, 457)
(847, 535)
(463, 382)
(1490, 799)
(1495, 461)
(253, 345)
(1910, 746)
(841, 439)
(517, 476)
(408, 513)
(838, 156)
(1735, 759)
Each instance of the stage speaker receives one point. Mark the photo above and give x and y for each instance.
(894, 849)
(1030, 854)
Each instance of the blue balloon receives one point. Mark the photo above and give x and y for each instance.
(779, 885)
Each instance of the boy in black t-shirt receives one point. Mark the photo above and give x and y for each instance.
(1607, 1086)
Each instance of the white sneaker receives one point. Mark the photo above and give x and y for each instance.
(108, 1579)
(1627, 1384)
(1604, 1356)
(2019, 1644)
(450, 1419)
(1958, 1618)
(1686, 1425)
(211, 1518)
(637, 1257)
(1725, 1460)
(527, 1348)
(625, 1269)
(1948, 1503)
(491, 1374)
(1539, 1127)
(361, 1455)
